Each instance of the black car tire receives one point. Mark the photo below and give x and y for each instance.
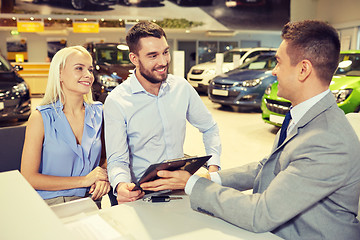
(78, 4)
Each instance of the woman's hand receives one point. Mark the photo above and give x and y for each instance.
(99, 189)
(98, 174)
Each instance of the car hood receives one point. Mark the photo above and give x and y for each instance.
(241, 75)
(212, 65)
(205, 65)
(9, 79)
(343, 82)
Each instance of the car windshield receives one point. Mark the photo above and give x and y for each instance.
(349, 64)
(112, 54)
(4, 65)
(260, 62)
(229, 56)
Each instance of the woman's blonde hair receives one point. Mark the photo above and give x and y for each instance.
(53, 91)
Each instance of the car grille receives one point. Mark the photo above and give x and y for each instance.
(232, 94)
(10, 107)
(222, 85)
(4, 95)
(278, 106)
(225, 98)
(197, 71)
(10, 100)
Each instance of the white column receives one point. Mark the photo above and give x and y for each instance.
(219, 63)
(179, 63)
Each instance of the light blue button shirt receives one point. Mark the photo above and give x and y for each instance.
(142, 129)
(61, 155)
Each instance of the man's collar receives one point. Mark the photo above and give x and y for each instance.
(298, 111)
(136, 86)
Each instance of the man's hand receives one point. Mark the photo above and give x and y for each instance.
(168, 180)
(213, 168)
(124, 193)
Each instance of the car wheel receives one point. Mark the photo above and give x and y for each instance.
(78, 4)
(127, 2)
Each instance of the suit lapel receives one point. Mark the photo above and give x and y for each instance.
(326, 102)
(271, 166)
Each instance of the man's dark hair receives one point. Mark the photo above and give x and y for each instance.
(142, 30)
(315, 41)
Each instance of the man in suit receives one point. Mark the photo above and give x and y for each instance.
(309, 185)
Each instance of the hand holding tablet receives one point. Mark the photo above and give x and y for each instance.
(190, 164)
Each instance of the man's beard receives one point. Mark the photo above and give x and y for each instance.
(150, 77)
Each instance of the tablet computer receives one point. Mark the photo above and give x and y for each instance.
(190, 164)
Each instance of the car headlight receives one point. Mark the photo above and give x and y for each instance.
(341, 95)
(252, 83)
(268, 90)
(108, 81)
(211, 71)
(20, 88)
(237, 84)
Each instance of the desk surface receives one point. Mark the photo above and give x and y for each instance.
(172, 220)
(24, 215)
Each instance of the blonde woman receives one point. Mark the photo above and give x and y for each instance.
(63, 146)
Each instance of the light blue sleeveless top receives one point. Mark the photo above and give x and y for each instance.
(61, 155)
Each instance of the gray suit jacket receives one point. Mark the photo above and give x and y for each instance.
(308, 188)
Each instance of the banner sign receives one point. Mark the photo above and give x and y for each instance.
(30, 26)
(85, 27)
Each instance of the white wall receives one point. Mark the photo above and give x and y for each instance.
(343, 15)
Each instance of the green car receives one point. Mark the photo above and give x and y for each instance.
(345, 86)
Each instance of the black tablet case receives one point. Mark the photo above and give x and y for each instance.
(190, 164)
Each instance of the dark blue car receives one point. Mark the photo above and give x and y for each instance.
(245, 85)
